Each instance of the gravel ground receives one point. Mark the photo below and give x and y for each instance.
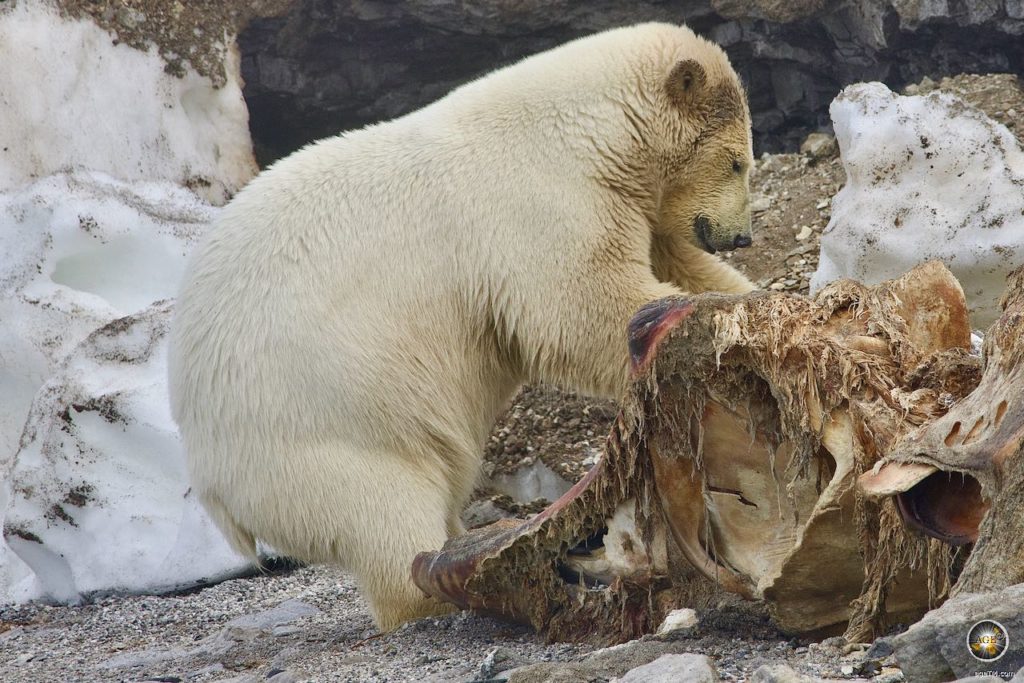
(310, 624)
(193, 637)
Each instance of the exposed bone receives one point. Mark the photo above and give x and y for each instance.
(974, 457)
(733, 464)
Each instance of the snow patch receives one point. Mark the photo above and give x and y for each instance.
(100, 498)
(79, 100)
(928, 177)
(95, 488)
(81, 250)
(110, 170)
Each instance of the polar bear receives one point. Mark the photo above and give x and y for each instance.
(361, 312)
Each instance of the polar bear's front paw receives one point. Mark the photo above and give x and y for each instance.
(650, 324)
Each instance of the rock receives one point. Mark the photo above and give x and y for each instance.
(605, 664)
(307, 74)
(880, 649)
(619, 659)
(778, 673)
(678, 622)
(935, 648)
(551, 672)
(212, 647)
(249, 626)
(889, 675)
(760, 203)
(981, 679)
(499, 659)
(836, 642)
(868, 668)
(927, 178)
(481, 513)
(819, 146)
(285, 631)
(672, 668)
(804, 233)
(284, 676)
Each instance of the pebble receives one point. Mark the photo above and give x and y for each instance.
(837, 642)
(889, 675)
(760, 203)
(11, 634)
(880, 649)
(499, 659)
(130, 18)
(868, 668)
(805, 232)
(819, 146)
(778, 673)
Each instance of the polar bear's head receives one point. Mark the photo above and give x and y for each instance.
(701, 145)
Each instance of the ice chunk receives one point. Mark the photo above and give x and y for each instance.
(100, 498)
(928, 177)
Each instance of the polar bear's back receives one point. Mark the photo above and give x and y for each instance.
(340, 295)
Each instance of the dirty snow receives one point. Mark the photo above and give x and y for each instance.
(928, 177)
(112, 108)
(109, 171)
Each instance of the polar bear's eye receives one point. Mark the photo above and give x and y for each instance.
(736, 166)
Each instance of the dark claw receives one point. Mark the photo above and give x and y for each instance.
(650, 324)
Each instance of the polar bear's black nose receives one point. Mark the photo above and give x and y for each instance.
(741, 241)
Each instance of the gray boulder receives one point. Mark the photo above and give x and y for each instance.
(673, 668)
(935, 649)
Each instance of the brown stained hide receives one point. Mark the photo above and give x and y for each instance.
(732, 465)
(961, 477)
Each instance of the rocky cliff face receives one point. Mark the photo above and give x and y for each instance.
(330, 65)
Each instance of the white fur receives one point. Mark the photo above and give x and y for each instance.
(362, 311)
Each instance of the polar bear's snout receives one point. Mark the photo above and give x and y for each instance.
(713, 238)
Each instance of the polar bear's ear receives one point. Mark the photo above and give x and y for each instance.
(686, 83)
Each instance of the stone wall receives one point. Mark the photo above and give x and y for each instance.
(326, 66)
